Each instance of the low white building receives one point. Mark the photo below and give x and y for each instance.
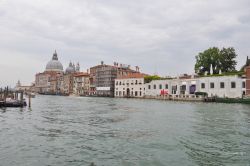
(221, 86)
(131, 85)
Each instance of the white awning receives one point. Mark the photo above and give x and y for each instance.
(103, 88)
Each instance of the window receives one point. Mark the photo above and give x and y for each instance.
(140, 93)
(233, 85)
(149, 87)
(154, 86)
(135, 93)
(166, 86)
(203, 85)
(135, 82)
(222, 85)
(212, 85)
(160, 86)
(243, 84)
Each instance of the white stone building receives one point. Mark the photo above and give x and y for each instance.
(131, 85)
(220, 86)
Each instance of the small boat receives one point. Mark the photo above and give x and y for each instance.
(13, 103)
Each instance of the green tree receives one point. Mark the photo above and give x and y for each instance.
(206, 58)
(150, 78)
(223, 60)
(227, 59)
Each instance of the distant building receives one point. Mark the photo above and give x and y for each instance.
(247, 84)
(47, 81)
(54, 80)
(102, 77)
(220, 86)
(81, 84)
(24, 88)
(131, 85)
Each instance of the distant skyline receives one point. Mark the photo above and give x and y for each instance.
(162, 36)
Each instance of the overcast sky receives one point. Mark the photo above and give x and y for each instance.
(160, 36)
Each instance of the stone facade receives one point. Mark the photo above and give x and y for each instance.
(54, 80)
(221, 86)
(81, 85)
(102, 78)
(131, 85)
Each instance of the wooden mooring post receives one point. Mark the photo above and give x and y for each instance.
(29, 100)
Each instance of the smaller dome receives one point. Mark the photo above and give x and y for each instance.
(70, 69)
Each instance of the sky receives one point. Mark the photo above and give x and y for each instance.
(160, 36)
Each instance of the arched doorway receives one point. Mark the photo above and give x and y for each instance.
(128, 92)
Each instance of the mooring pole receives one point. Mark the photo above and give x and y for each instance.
(5, 91)
(29, 100)
(21, 96)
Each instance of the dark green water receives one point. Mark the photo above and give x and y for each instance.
(77, 131)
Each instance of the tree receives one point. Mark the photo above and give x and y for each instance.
(223, 60)
(150, 78)
(206, 58)
(227, 59)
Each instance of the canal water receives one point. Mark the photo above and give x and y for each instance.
(105, 131)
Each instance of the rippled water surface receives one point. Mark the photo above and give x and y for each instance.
(79, 131)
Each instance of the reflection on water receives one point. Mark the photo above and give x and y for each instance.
(104, 131)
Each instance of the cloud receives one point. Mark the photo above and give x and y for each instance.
(160, 36)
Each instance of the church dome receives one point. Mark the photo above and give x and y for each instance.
(70, 69)
(54, 64)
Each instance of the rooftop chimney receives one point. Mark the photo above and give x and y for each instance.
(137, 69)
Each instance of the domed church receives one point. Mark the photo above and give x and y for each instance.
(72, 68)
(54, 80)
(54, 65)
